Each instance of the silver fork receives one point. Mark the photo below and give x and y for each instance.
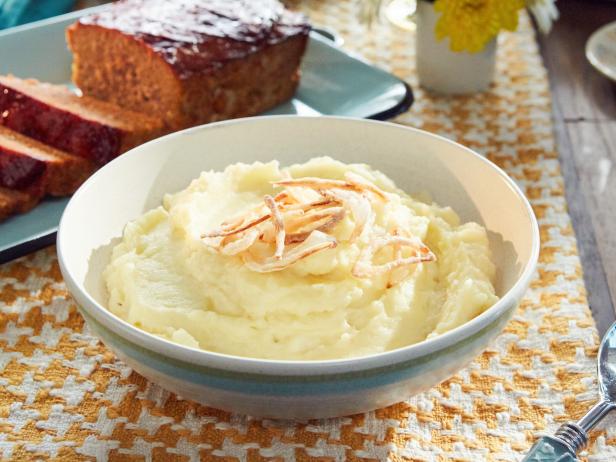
(571, 437)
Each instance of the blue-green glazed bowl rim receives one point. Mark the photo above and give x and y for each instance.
(223, 362)
(297, 385)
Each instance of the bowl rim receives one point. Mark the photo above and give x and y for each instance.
(240, 364)
(590, 50)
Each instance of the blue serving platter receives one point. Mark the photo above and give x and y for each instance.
(333, 82)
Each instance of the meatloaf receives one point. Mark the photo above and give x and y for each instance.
(190, 61)
(37, 169)
(12, 202)
(83, 126)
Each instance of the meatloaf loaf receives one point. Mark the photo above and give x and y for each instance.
(92, 129)
(12, 202)
(37, 169)
(190, 61)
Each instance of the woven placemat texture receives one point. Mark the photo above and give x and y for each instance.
(64, 396)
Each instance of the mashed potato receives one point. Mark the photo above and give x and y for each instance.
(178, 275)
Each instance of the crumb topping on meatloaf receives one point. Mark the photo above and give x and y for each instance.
(196, 36)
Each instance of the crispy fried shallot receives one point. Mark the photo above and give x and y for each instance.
(364, 183)
(358, 205)
(325, 183)
(230, 230)
(393, 278)
(315, 218)
(365, 268)
(278, 225)
(297, 220)
(241, 244)
(302, 195)
(299, 224)
(316, 242)
(324, 221)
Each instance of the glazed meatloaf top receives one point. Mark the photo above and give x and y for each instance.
(197, 36)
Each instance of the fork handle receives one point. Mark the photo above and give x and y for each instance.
(550, 449)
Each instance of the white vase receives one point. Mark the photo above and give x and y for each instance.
(445, 71)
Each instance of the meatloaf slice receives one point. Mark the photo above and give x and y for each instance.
(190, 62)
(12, 202)
(52, 114)
(27, 165)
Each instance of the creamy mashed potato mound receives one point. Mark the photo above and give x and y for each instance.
(167, 278)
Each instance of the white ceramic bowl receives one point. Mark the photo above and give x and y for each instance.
(417, 161)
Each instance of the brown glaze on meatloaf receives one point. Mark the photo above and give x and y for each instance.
(196, 36)
(95, 130)
(190, 61)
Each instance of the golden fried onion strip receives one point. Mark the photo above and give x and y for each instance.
(365, 268)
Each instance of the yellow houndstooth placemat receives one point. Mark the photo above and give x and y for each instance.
(64, 396)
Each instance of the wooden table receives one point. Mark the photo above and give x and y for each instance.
(585, 123)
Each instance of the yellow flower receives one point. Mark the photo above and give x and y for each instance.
(471, 24)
